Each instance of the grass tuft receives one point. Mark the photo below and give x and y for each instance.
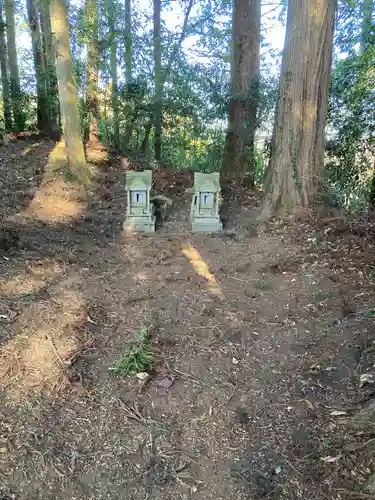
(136, 359)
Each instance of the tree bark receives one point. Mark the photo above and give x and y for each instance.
(15, 87)
(128, 42)
(4, 73)
(92, 75)
(68, 92)
(114, 78)
(158, 114)
(146, 137)
(50, 66)
(238, 158)
(297, 156)
(43, 121)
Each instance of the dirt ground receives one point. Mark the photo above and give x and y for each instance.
(264, 338)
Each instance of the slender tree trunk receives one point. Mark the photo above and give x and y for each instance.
(297, 158)
(128, 41)
(43, 121)
(178, 44)
(238, 158)
(158, 114)
(113, 66)
(68, 92)
(92, 77)
(15, 88)
(4, 73)
(368, 8)
(146, 137)
(50, 66)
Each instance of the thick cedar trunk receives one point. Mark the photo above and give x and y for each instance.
(43, 121)
(50, 66)
(4, 74)
(68, 92)
(238, 159)
(297, 157)
(15, 88)
(158, 114)
(113, 64)
(92, 76)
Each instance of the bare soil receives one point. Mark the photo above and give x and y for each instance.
(264, 336)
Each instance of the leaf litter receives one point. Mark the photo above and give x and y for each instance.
(306, 291)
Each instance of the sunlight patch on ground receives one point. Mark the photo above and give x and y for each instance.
(31, 280)
(56, 199)
(35, 359)
(201, 268)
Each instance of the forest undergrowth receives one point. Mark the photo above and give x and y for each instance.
(261, 347)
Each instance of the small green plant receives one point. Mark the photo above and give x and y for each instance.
(136, 359)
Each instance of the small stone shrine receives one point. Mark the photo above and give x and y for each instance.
(139, 212)
(205, 203)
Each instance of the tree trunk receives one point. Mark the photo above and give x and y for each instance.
(49, 63)
(43, 121)
(92, 75)
(297, 157)
(238, 158)
(158, 115)
(68, 92)
(15, 88)
(368, 7)
(4, 73)
(128, 42)
(113, 63)
(146, 137)
(177, 45)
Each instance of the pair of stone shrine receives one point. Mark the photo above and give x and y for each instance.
(204, 211)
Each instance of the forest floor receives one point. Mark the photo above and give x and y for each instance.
(260, 342)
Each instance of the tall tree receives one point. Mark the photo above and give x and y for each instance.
(4, 73)
(128, 41)
(297, 157)
(15, 88)
(113, 68)
(50, 67)
(92, 72)
(68, 92)
(238, 156)
(43, 121)
(158, 115)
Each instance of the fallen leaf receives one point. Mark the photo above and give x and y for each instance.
(166, 382)
(91, 320)
(366, 378)
(309, 404)
(329, 459)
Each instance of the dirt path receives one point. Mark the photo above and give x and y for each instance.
(262, 337)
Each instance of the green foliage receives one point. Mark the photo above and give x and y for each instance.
(351, 147)
(136, 359)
